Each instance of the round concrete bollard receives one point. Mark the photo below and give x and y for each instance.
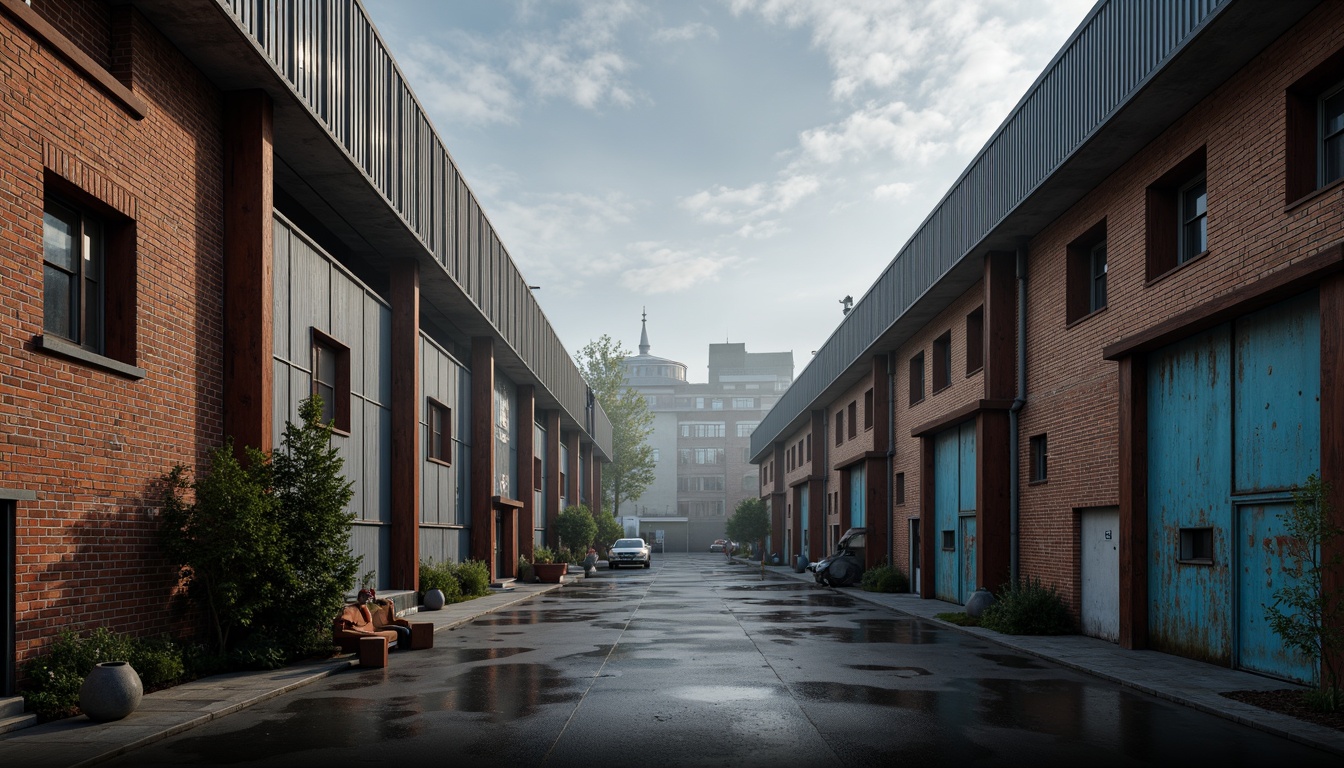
(434, 600)
(800, 564)
(980, 600)
(110, 692)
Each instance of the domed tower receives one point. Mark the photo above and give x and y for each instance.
(645, 370)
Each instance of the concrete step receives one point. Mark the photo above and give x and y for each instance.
(12, 716)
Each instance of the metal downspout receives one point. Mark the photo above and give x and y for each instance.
(1014, 454)
(891, 459)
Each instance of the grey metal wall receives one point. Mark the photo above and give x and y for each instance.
(313, 291)
(334, 60)
(1121, 45)
(445, 525)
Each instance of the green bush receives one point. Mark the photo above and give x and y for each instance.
(54, 677)
(884, 578)
(576, 528)
(440, 576)
(1027, 609)
(474, 577)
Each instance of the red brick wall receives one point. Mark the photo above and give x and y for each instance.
(89, 443)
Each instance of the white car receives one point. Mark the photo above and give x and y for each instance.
(629, 552)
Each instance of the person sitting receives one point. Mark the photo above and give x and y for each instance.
(383, 616)
(590, 563)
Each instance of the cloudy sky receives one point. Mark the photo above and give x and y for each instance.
(735, 166)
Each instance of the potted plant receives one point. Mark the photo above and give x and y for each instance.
(548, 571)
(525, 573)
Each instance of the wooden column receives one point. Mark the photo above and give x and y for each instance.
(528, 478)
(879, 509)
(993, 524)
(1000, 337)
(572, 470)
(1134, 501)
(595, 470)
(586, 467)
(249, 185)
(483, 451)
(404, 298)
(927, 534)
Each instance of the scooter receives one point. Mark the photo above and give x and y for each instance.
(845, 566)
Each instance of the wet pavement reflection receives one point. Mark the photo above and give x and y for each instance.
(697, 662)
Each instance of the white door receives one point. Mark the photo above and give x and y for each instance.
(1101, 572)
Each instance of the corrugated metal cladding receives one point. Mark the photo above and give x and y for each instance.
(445, 519)
(1098, 70)
(332, 56)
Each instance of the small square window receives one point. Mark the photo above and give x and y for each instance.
(1085, 278)
(949, 541)
(440, 442)
(942, 362)
(1039, 456)
(1197, 546)
(917, 378)
(331, 380)
(975, 340)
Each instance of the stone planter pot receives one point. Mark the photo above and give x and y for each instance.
(551, 573)
(434, 600)
(111, 691)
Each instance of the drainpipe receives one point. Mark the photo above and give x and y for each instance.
(1014, 457)
(891, 459)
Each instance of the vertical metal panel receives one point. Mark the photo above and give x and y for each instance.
(1261, 555)
(1189, 464)
(946, 484)
(280, 300)
(1278, 385)
(967, 478)
(366, 543)
(351, 449)
(280, 400)
(347, 327)
(967, 573)
(858, 496)
(1100, 560)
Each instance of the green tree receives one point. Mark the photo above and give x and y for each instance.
(609, 529)
(750, 521)
(227, 541)
(314, 517)
(1307, 613)
(576, 528)
(631, 468)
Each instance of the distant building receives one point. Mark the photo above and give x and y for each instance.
(701, 439)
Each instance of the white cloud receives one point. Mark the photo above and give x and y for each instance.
(580, 61)
(685, 33)
(749, 206)
(896, 192)
(453, 80)
(668, 270)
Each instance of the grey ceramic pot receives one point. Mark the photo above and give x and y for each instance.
(111, 691)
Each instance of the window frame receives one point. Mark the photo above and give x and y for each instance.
(434, 408)
(340, 419)
(1039, 467)
(917, 393)
(84, 314)
(975, 340)
(1185, 220)
(942, 361)
(1322, 139)
(852, 411)
(1083, 299)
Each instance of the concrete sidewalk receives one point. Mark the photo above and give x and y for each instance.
(78, 741)
(1184, 681)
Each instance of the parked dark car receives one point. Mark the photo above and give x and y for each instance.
(845, 566)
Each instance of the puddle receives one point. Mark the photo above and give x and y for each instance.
(1012, 661)
(903, 631)
(898, 671)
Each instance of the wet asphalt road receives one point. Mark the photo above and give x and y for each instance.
(697, 662)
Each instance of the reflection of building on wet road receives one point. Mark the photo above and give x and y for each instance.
(701, 440)
(1103, 361)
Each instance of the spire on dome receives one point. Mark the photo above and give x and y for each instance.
(644, 333)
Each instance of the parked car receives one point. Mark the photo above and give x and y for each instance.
(629, 552)
(845, 566)
(718, 545)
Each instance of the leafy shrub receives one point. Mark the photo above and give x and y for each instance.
(474, 577)
(1027, 609)
(884, 578)
(262, 649)
(543, 555)
(54, 677)
(576, 527)
(524, 570)
(440, 576)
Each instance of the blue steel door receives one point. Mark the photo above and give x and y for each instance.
(1233, 426)
(858, 491)
(803, 540)
(954, 513)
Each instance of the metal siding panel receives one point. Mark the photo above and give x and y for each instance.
(1189, 470)
(280, 300)
(966, 475)
(365, 543)
(946, 485)
(384, 464)
(280, 403)
(1277, 414)
(966, 537)
(351, 451)
(347, 320)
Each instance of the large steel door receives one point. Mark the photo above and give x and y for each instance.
(858, 492)
(1100, 539)
(954, 502)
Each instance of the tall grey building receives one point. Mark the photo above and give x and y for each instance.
(701, 439)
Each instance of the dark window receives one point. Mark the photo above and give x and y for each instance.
(900, 487)
(1331, 110)
(440, 433)
(853, 418)
(1086, 274)
(868, 409)
(1176, 216)
(975, 340)
(917, 378)
(1039, 455)
(1197, 546)
(72, 261)
(839, 427)
(1314, 155)
(942, 361)
(537, 474)
(949, 541)
(331, 380)
(800, 453)
(809, 447)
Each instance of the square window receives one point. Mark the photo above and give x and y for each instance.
(440, 442)
(942, 361)
(975, 340)
(949, 541)
(1085, 278)
(1196, 546)
(331, 380)
(1039, 455)
(853, 418)
(917, 378)
(1176, 216)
